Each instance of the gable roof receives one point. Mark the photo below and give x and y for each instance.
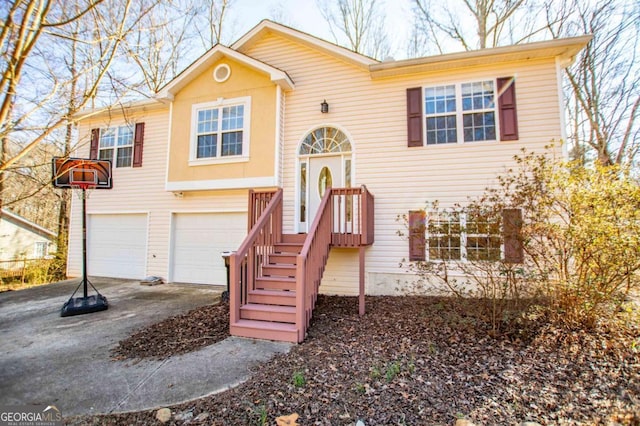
(26, 224)
(267, 27)
(219, 51)
(564, 50)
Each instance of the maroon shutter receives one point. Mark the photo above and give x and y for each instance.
(95, 140)
(417, 222)
(507, 109)
(414, 117)
(138, 141)
(511, 230)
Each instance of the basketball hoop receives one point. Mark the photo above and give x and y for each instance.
(83, 181)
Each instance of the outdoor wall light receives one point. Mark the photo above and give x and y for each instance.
(324, 107)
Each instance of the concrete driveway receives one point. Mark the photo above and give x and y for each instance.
(49, 360)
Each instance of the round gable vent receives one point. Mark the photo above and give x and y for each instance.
(221, 73)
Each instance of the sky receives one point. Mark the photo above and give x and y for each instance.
(304, 15)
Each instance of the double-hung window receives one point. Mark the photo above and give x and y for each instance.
(40, 249)
(220, 130)
(116, 144)
(464, 112)
(463, 236)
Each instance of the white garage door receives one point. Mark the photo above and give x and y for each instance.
(198, 241)
(117, 245)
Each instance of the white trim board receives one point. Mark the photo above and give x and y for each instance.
(204, 185)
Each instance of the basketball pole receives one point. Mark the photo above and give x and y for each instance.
(86, 304)
(84, 242)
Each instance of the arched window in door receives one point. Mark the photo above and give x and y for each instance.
(325, 140)
(324, 161)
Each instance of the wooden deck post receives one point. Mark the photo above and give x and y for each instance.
(361, 295)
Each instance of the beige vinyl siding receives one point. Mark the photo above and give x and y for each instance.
(142, 190)
(373, 114)
(341, 274)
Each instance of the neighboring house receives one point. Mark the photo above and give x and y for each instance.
(23, 239)
(283, 109)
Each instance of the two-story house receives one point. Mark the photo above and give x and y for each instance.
(270, 128)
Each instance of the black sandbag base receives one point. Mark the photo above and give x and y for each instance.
(84, 305)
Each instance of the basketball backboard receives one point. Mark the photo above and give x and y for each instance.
(69, 172)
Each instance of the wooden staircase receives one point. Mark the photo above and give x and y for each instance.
(270, 311)
(275, 277)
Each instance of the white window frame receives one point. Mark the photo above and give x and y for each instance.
(464, 234)
(219, 105)
(40, 249)
(459, 113)
(115, 148)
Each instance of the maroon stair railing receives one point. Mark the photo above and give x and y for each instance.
(311, 263)
(258, 202)
(344, 219)
(244, 264)
(352, 217)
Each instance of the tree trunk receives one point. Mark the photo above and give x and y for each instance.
(3, 174)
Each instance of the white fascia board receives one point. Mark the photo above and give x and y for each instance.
(566, 49)
(208, 185)
(277, 76)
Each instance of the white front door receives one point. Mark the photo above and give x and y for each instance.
(324, 160)
(324, 172)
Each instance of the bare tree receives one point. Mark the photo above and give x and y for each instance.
(603, 86)
(279, 14)
(419, 40)
(361, 22)
(33, 37)
(211, 26)
(29, 192)
(477, 24)
(165, 46)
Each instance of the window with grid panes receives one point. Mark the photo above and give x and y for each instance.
(461, 236)
(116, 144)
(220, 131)
(458, 113)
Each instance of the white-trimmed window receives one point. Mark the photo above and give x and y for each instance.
(460, 236)
(116, 144)
(220, 130)
(462, 112)
(40, 249)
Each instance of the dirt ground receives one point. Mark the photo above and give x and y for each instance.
(418, 361)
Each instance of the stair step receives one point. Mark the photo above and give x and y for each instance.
(294, 238)
(252, 311)
(272, 297)
(291, 248)
(283, 258)
(275, 283)
(265, 330)
(279, 270)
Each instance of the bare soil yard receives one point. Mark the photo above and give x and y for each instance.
(413, 361)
